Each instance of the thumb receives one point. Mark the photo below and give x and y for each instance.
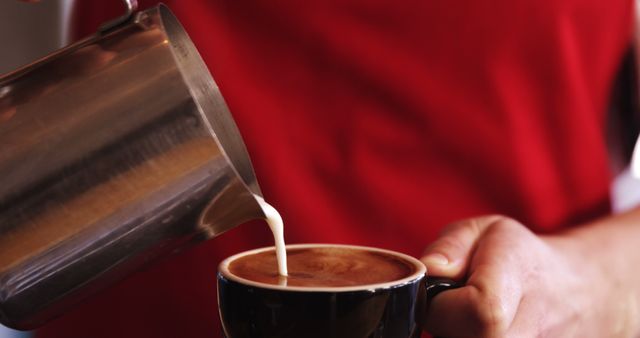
(449, 256)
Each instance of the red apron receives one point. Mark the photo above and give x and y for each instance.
(378, 122)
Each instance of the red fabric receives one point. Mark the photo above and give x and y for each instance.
(378, 122)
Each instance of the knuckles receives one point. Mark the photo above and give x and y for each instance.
(490, 316)
(478, 225)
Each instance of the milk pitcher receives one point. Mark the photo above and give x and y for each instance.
(113, 151)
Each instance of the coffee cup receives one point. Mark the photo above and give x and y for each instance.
(331, 291)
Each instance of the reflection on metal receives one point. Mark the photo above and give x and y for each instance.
(114, 150)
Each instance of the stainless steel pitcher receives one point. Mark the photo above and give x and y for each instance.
(113, 151)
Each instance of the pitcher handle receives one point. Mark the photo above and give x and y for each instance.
(131, 7)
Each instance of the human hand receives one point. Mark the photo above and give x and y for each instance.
(519, 284)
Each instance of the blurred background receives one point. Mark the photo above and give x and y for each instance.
(31, 30)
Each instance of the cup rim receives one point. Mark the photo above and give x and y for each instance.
(421, 270)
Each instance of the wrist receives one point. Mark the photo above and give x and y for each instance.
(610, 278)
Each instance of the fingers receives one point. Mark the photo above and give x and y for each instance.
(489, 251)
(449, 256)
(470, 311)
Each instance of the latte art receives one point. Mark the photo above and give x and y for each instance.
(323, 267)
(316, 266)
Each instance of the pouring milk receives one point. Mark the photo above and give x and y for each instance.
(275, 223)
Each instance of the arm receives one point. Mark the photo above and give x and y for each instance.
(580, 283)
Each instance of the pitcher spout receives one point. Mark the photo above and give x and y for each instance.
(234, 205)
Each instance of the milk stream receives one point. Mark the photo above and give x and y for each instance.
(277, 228)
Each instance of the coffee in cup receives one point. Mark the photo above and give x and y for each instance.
(323, 266)
(331, 291)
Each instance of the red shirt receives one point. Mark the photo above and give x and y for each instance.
(378, 122)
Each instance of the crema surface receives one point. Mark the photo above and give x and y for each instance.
(323, 267)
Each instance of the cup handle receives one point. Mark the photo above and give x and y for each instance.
(435, 285)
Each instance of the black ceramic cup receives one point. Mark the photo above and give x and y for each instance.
(382, 310)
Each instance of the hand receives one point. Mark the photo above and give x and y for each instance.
(519, 284)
